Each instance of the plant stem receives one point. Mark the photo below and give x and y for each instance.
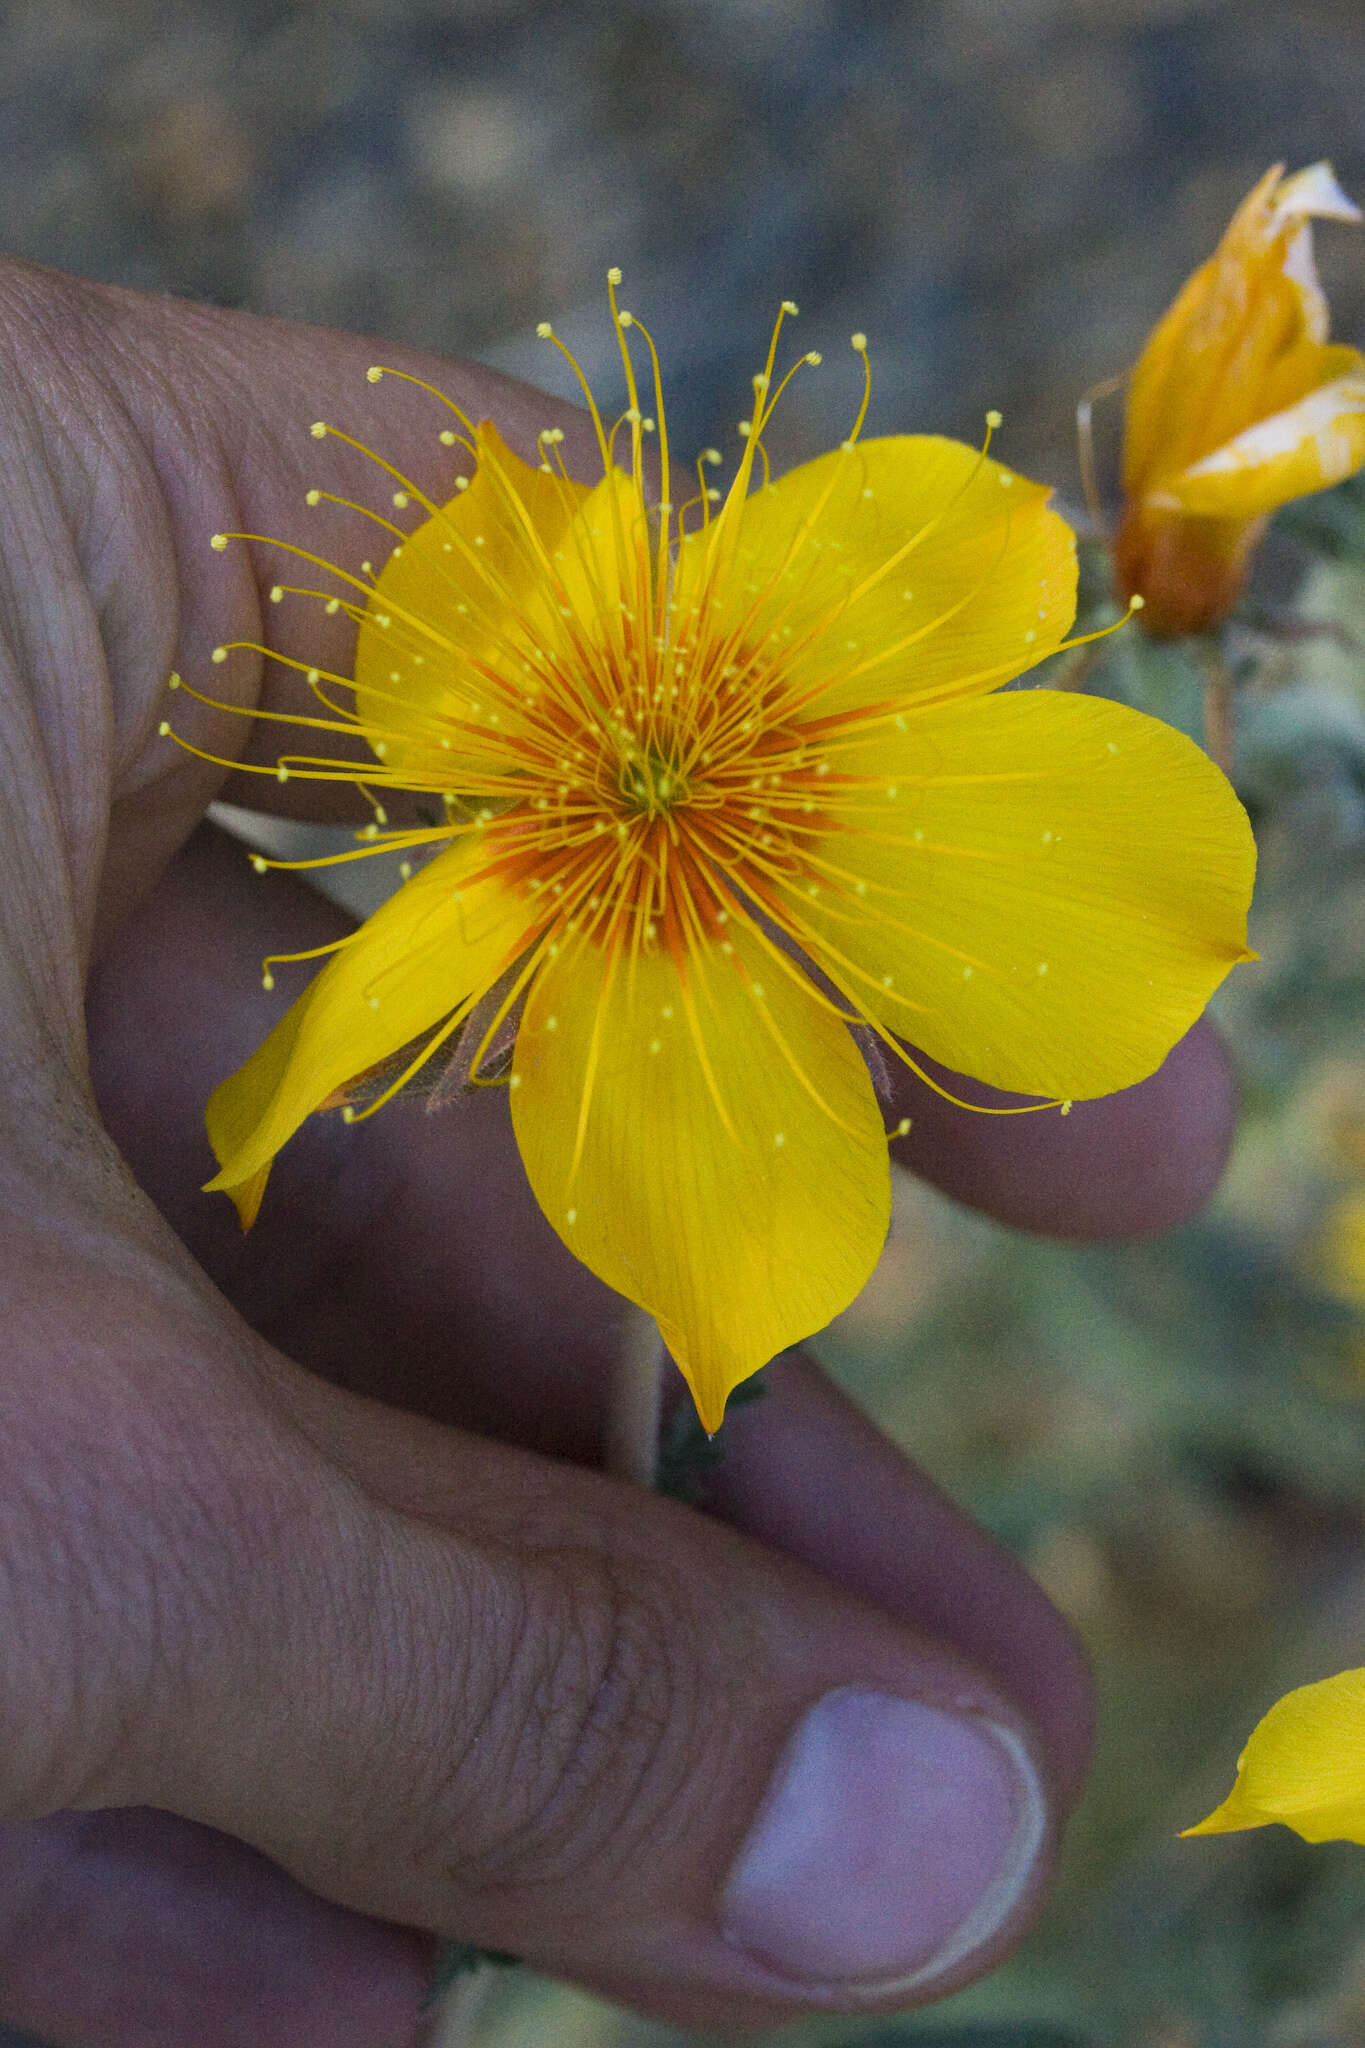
(1220, 707)
(460, 2010)
(636, 1405)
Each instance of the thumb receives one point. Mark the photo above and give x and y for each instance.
(588, 1726)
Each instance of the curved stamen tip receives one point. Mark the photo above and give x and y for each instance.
(995, 419)
(373, 374)
(790, 308)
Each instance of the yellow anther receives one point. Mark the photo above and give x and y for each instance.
(544, 329)
(400, 499)
(1135, 604)
(994, 419)
(218, 541)
(218, 654)
(276, 593)
(164, 729)
(614, 274)
(373, 374)
(790, 308)
(859, 341)
(312, 497)
(814, 358)
(626, 319)
(258, 861)
(446, 437)
(318, 429)
(172, 681)
(902, 1129)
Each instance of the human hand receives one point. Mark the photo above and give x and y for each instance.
(302, 1541)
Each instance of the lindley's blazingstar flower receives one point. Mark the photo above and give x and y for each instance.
(682, 755)
(1304, 1765)
(1238, 404)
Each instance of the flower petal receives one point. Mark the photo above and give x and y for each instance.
(1052, 887)
(713, 1150)
(892, 568)
(1304, 1765)
(1304, 448)
(435, 946)
(1244, 340)
(464, 596)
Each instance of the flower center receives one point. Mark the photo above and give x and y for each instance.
(651, 784)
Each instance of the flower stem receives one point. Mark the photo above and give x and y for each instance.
(1220, 707)
(636, 1406)
(460, 2010)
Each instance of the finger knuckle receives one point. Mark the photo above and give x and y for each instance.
(596, 1722)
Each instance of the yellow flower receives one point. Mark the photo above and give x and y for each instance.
(687, 751)
(1238, 404)
(1304, 1765)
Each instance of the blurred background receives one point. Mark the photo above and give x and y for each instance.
(1004, 194)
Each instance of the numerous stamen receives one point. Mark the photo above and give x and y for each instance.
(640, 769)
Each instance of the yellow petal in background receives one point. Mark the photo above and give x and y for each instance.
(1314, 443)
(916, 562)
(713, 1151)
(438, 944)
(1243, 338)
(1237, 405)
(1053, 886)
(1304, 1765)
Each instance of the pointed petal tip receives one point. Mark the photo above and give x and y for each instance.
(245, 1195)
(1314, 193)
